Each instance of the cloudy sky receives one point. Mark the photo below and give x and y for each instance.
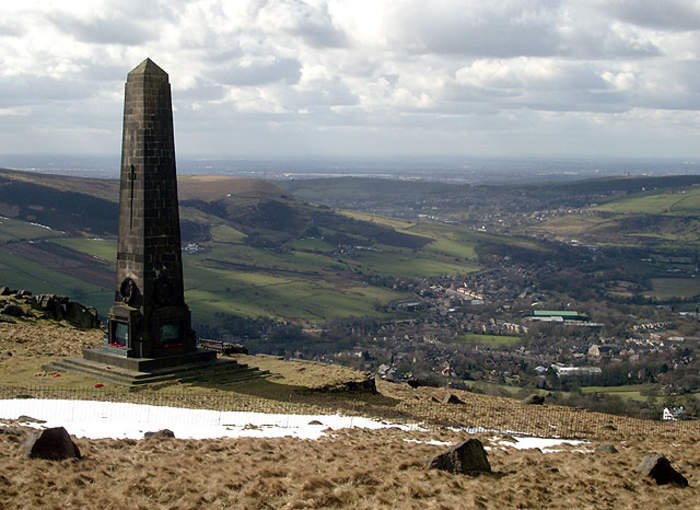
(276, 78)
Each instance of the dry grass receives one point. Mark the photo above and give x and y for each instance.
(352, 469)
(349, 469)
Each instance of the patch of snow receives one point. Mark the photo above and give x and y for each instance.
(543, 443)
(40, 225)
(119, 420)
(431, 442)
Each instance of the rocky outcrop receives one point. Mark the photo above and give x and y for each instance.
(62, 308)
(51, 444)
(468, 457)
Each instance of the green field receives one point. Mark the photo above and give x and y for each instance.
(103, 249)
(492, 340)
(684, 203)
(20, 273)
(13, 230)
(625, 392)
(665, 288)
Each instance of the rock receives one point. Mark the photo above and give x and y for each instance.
(15, 435)
(51, 444)
(315, 422)
(82, 316)
(159, 434)
(12, 309)
(660, 469)
(28, 419)
(534, 400)
(23, 293)
(468, 457)
(6, 319)
(451, 398)
(417, 383)
(53, 305)
(229, 348)
(364, 386)
(6, 291)
(606, 448)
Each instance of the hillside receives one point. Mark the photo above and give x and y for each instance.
(254, 249)
(348, 468)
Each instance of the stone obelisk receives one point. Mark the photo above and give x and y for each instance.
(149, 331)
(149, 319)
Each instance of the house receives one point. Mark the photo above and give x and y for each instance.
(563, 371)
(674, 413)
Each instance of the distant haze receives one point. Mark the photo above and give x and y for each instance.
(368, 79)
(446, 169)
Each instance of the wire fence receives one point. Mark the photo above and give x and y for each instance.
(484, 415)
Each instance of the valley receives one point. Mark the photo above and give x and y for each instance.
(413, 281)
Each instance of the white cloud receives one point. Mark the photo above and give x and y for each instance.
(306, 75)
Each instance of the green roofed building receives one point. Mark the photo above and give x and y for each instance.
(564, 314)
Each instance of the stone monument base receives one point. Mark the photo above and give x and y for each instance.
(200, 365)
(112, 357)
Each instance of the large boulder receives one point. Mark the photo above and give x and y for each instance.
(51, 444)
(468, 457)
(659, 468)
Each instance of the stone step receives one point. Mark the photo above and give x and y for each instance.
(228, 371)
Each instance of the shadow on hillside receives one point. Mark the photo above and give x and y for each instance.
(281, 393)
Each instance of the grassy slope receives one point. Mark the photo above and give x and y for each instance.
(665, 288)
(684, 202)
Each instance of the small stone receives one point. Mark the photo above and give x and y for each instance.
(159, 434)
(660, 469)
(315, 422)
(606, 448)
(468, 457)
(451, 398)
(29, 419)
(13, 310)
(51, 444)
(534, 400)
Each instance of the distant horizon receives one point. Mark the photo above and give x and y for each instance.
(437, 168)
